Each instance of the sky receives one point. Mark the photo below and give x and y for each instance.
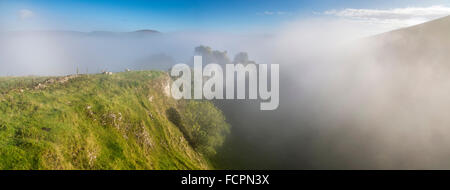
(229, 15)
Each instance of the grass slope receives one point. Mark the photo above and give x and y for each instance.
(96, 121)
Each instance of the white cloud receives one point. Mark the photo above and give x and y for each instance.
(398, 17)
(25, 14)
(283, 13)
(269, 13)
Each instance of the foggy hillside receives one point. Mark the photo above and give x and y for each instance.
(425, 43)
(378, 103)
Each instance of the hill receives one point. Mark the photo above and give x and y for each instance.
(101, 121)
(423, 44)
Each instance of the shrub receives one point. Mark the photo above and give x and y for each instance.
(205, 125)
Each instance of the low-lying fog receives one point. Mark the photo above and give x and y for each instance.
(377, 103)
(346, 101)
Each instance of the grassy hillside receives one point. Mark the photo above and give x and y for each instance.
(118, 121)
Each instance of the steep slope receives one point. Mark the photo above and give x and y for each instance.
(101, 121)
(427, 43)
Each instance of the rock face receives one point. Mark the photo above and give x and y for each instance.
(167, 88)
(165, 85)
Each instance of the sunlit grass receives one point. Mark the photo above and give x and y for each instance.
(93, 122)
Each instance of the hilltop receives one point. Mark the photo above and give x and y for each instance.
(125, 120)
(423, 44)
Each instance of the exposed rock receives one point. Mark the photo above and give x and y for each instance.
(65, 79)
(40, 86)
(112, 119)
(144, 137)
(167, 88)
(51, 81)
(151, 115)
(90, 112)
(92, 157)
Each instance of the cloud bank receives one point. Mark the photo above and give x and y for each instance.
(397, 17)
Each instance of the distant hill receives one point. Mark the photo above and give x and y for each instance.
(138, 33)
(146, 31)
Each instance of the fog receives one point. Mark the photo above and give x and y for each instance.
(62, 52)
(348, 100)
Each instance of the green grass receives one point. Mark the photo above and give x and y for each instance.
(96, 121)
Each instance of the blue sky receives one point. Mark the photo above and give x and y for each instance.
(176, 15)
